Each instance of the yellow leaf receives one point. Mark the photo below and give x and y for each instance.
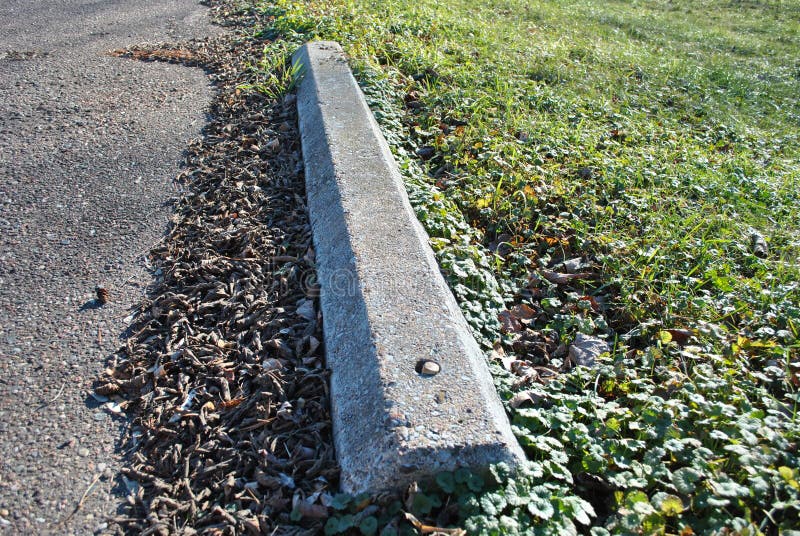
(671, 506)
(787, 473)
(484, 201)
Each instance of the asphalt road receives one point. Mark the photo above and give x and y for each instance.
(89, 145)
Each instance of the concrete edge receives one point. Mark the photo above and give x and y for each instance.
(388, 313)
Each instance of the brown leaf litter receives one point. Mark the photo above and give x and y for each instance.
(223, 372)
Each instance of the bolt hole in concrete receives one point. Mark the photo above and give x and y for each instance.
(426, 367)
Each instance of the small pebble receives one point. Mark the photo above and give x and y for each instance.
(4, 512)
(99, 416)
(83, 452)
(100, 398)
(429, 368)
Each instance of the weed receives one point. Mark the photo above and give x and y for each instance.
(646, 142)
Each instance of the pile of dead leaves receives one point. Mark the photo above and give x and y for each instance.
(224, 371)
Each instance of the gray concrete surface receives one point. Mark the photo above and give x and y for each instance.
(89, 145)
(386, 307)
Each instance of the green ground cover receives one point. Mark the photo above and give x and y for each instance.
(651, 145)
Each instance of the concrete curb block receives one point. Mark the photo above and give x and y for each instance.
(388, 311)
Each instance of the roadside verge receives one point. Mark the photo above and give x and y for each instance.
(411, 392)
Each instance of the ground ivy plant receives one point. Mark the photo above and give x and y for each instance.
(626, 171)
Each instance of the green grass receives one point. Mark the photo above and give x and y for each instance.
(655, 140)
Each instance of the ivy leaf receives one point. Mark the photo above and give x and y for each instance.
(717, 502)
(340, 501)
(582, 511)
(368, 526)
(668, 505)
(516, 494)
(541, 507)
(631, 522)
(759, 486)
(673, 445)
(558, 471)
(346, 522)
(685, 478)
(729, 489)
(421, 504)
(788, 476)
(475, 483)
(332, 526)
(492, 503)
(446, 481)
(632, 498)
(501, 472)
(462, 475)
(643, 508)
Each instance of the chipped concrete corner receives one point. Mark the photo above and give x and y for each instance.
(411, 392)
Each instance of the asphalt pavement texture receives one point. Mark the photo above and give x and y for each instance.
(89, 146)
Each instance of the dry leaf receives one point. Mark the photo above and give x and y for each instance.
(306, 310)
(523, 312)
(312, 511)
(108, 389)
(313, 344)
(280, 345)
(102, 295)
(563, 279)
(681, 336)
(498, 354)
(573, 265)
(426, 152)
(525, 396)
(526, 373)
(271, 364)
(428, 529)
(509, 323)
(585, 350)
(231, 403)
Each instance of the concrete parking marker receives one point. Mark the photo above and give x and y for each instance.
(411, 392)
